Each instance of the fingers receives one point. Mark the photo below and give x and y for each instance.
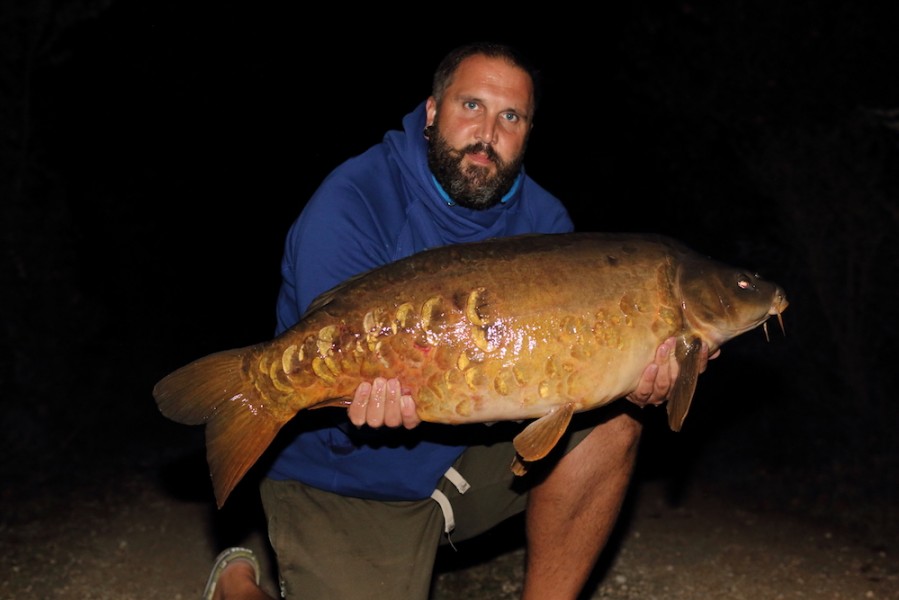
(705, 357)
(391, 416)
(369, 404)
(382, 403)
(410, 415)
(359, 405)
(658, 377)
(667, 362)
(641, 395)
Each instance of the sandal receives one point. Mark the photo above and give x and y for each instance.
(221, 563)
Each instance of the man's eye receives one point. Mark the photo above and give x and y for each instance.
(471, 105)
(511, 117)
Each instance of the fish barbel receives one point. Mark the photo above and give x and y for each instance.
(531, 327)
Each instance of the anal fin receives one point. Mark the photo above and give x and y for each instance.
(540, 437)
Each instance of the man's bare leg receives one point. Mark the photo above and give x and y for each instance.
(572, 513)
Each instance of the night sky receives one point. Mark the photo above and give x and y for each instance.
(170, 145)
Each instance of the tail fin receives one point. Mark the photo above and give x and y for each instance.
(215, 390)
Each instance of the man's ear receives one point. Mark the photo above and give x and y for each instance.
(430, 111)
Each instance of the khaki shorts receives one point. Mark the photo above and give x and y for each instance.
(336, 547)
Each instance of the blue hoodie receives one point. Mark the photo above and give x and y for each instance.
(376, 208)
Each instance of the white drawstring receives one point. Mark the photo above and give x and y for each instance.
(449, 520)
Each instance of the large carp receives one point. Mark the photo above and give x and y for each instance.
(530, 327)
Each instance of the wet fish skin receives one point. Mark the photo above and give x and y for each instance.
(532, 327)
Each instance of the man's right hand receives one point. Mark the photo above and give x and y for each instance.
(382, 403)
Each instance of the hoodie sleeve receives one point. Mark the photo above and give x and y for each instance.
(345, 229)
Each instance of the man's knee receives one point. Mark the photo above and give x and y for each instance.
(620, 433)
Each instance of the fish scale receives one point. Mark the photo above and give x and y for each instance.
(535, 327)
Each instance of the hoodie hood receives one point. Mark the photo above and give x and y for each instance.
(408, 148)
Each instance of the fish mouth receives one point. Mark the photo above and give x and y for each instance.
(778, 306)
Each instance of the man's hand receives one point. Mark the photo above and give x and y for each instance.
(382, 402)
(659, 376)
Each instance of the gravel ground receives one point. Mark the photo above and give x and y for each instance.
(141, 533)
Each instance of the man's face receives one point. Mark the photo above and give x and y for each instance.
(479, 130)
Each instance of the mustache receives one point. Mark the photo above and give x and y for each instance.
(482, 147)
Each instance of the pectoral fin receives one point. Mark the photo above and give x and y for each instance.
(540, 437)
(687, 355)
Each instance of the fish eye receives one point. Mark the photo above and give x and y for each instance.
(745, 282)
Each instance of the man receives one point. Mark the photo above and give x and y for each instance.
(358, 505)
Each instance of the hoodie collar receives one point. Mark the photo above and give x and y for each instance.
(450, 202)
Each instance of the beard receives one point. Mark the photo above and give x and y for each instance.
(472, 186)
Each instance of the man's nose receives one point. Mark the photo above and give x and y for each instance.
(487, 132)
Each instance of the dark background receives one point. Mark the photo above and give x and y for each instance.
(153, 155)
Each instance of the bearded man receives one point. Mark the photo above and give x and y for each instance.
(358, 502)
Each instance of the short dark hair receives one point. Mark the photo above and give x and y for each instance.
(447, 67)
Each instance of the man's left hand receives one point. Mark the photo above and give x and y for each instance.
(658, 378)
